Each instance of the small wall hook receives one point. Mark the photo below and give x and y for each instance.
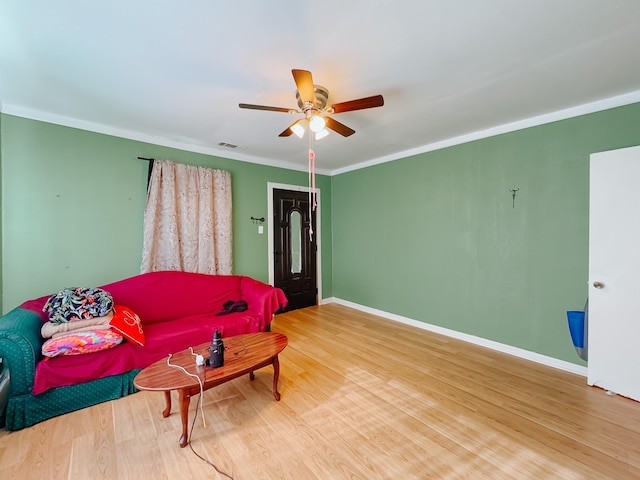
(513, 196)
(257, 220)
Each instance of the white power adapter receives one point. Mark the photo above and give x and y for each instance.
(199, 360)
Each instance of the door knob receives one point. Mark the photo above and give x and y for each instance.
(598, 284)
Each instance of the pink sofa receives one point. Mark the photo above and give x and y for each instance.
(177, 310)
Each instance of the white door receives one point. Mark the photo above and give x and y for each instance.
(614, 272)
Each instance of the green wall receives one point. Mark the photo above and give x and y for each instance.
(74, 202)
(436, 238)
(433, 237)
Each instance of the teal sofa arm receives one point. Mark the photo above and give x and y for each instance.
(20, 348)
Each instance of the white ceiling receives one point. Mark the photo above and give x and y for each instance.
(172, 72)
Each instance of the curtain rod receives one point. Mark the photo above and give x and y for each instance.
(147, 159)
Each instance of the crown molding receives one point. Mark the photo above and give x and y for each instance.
(572, 112)
(600, 105)
(53, 118)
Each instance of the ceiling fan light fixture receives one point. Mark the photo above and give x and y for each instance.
(299, 127)
(312, 100)
(322, 133)
(317, 123)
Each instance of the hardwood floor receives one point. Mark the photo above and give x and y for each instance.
(362, 398)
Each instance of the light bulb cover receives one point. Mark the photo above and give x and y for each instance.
(317, 123)
(299, 127)
(322, 133)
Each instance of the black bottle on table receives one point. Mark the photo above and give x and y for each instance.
(216, 350)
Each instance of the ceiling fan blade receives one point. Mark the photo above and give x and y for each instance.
(359, 104)
(264, 107)
(288, 132)
(304, 82)
(339, 127)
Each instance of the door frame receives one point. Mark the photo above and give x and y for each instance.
(318, 230)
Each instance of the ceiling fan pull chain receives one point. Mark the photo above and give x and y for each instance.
(312, 167)
(312, 187)
(313, 182)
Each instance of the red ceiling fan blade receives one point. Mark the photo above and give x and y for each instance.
(360, 104)
(264, 107)
(304, 83)
(339, 127)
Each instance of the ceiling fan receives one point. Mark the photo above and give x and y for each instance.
(312, 102)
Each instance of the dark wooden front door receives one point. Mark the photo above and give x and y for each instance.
(295, 253)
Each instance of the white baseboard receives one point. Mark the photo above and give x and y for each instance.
(500, 347)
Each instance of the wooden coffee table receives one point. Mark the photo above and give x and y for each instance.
(243, 354)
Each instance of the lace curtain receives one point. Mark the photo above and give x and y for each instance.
(187, 220)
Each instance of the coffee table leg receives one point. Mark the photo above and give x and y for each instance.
(167, 400)
(184, 400)
(276, 374)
